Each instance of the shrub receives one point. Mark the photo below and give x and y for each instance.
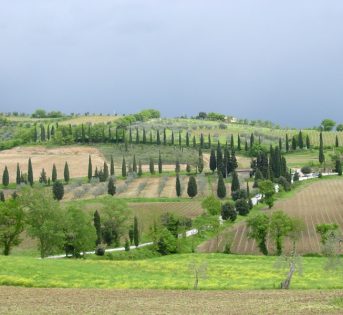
(242, 206)
(100, 250)
(284, 183)
(212, 205)
(306, 170)
(239, 194)
(228, 212)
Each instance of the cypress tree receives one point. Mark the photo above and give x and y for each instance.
(221, 189)
(213, 161)
(109, 134)
(187, 139)
(42, 133)
(43, 179)
(192, 189)
(294, 143)
(235, 182)
(321, 149)
(18, 178)
(234, 162)
(52, 131)
(200, 161)
(280, 144)
(97, 225)
(287, 143)
(140, 170)
(150, 136)
(105, 172)
(158, 140)
(252, 140)
(337, 142)
(58, 190)
(66, 172)
(144, 136)
(152, 166)
(164, 136)
(259, 140)
(248, 196)
(123, 168)
(131, 234)
(219, 158)
(48, 133)
(225, 162)
(35, 135)
(134, 164)
(308, 144)
(112, 166)
(54, 173)
(83, 134)
(202, 141)
(135, 232)
(258, 176)
(137, 136)
(246, 148)
(177, 166)
(30, 173)
(111, 188)
(194, 142)
(89, 133)
(238, 142)
(232, 143)
(180, 139)
(178, 185)
(172, 138)
(300, 140)
(5, 177)
(2, 196)
(130, 136)
(159, 162)
(209, 141)
(90, 169)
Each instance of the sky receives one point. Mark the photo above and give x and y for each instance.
(272, 60)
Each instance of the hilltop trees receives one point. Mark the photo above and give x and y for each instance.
(327, 124)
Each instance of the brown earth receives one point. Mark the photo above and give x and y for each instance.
(17, 300)
(320, 202)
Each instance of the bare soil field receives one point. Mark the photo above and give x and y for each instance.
(102, 301)
(42, 157)
(320, 202)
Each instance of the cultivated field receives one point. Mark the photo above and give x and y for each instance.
(66, 301)
(93, 119)
(319, 202)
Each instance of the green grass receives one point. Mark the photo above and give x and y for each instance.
(169, 272)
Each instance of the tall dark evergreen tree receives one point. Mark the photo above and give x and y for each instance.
(221, 189)
(200, 164)
(140, 170)
(201, 141)
(159, 162)
(177, 166)
(58, 190)
(130, 136)
(144, 136)
(321, 149)
(239, 143)
(232, 143)
(246, 148)
(42, 133)
(294, 143)
(135, 232)
(194, 142)
(2, 196)
(111, 188)
(178, 185)
(235, 182)
(337, 142)
(35, 135)
(213, 161)
(280, 144)
(209, 141)
(105, 172)
(112, 166)
(187, 139)
(158, 139)
(137, 136)
(90, 168)
(54, 173)
(5, 177)
(66, 173)
(300, 140)
(192, 189)
(252, 140)
(180, 139)
(308, 143)
(152, 166)
(97, 225)
(219, 158)
(18, 176)
(338, 167)
(172, 138)
(83, 134)
(48, 133)
(30, 173)
(164, 136)
(134, 164)
(42, 178)
(151, 137)
(287, 143)
(123, 168)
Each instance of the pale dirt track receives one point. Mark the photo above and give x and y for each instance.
(16, 300)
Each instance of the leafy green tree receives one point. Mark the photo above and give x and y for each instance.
(212, 205)
(111, 188)
(5, 177)
(221, 189)
(178, 185)
(80, 234)
(327, 124)
(339, 127)
(44, 220)
(259, 228)
(321, 149)
(123, 168)
(280, 226)
(18, 176)
(136, 236)
(192, 189)
(165, 242)
(112, 166)
(326, 231)
(97, 226)
(58, 190)
(267, 190)
(30, 173)
(235, 182)
(242, 206)
(90, 168)
(12, 222)
(54, 173)
(66, 172)
(228, 212)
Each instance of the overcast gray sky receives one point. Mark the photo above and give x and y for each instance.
(276, 60)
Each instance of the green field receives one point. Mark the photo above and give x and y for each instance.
(169, 272)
